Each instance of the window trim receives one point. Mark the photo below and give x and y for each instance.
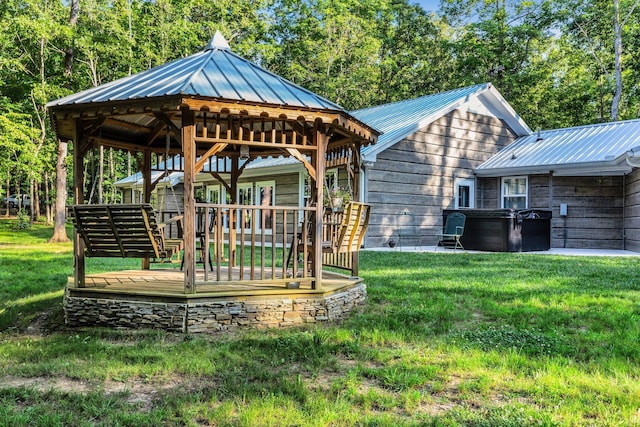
(525, 194)
(468, 182)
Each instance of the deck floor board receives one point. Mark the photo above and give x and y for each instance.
(170, 282)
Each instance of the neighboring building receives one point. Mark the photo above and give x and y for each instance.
(587, 175)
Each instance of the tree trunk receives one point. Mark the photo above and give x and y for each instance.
(47, 204)
(60, 218)
(33, 197)
(59, 230)
(617, 29)
(8, 194)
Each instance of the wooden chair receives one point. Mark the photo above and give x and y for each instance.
(353, 227)
(124, 231)
(453, 230)
(347, 236)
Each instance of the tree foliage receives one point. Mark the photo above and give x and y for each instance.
(553, 60)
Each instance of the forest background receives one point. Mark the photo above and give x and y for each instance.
(559, 63)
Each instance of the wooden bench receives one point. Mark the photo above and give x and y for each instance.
(125, 231)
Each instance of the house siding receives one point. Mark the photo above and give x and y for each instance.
(413, 181)
(594, 212)
(594, 208)
(632, 211)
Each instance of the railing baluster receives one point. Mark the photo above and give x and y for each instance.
(284, 244)
(241, 256)
(274, 248)
(253, 253)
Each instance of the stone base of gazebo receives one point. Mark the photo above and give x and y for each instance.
(151, 299)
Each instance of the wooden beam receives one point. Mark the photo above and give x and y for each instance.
(321, 141)
(130, 145)
(148, 188)
(210, 152)
(166, 119)
(78, 197)
(254, 143)
(189, 221)
(260, 110)
(155, 132)
(298, 156)
(221, 180)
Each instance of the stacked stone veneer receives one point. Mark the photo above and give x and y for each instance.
(222, 314)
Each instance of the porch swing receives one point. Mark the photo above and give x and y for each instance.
(128, 230)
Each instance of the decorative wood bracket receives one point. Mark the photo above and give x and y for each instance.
(210, 152)
(298, 156)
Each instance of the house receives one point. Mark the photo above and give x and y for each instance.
(423, 162)
(425, 159)
(587, 175)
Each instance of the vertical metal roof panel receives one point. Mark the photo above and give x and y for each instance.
(398, 120)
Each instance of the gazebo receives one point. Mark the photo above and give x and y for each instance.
(269, 262)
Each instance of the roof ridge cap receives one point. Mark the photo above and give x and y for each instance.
(477, 86)
(592, 125)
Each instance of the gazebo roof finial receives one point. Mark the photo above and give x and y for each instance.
(218, 42)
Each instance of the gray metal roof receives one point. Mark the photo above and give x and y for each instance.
(599, 148)
(216, 72)
(176, 177)
(398, 120)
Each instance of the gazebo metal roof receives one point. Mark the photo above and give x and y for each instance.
(215, 72)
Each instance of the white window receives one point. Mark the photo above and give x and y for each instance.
(214, 194)
(464, 193)
(265, 196)
(514, 192)
(136, 196)
(245, 197)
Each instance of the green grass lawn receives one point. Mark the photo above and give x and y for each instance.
(445, 339)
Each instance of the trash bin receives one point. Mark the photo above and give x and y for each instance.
(535, 229)
(505, 230)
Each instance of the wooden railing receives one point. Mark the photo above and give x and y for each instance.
(253, 243)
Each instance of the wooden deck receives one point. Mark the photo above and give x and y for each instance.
(169, 283)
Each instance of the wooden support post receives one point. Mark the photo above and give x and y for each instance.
(233, 217)
(321, 140)
(189, 218)
(148, 188)
(355, 167)
(78, 197)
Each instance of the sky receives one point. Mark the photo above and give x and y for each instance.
(428, 5)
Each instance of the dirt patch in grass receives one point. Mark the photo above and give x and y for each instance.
(136, 392)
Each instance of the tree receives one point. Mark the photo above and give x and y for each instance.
(600, 27)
